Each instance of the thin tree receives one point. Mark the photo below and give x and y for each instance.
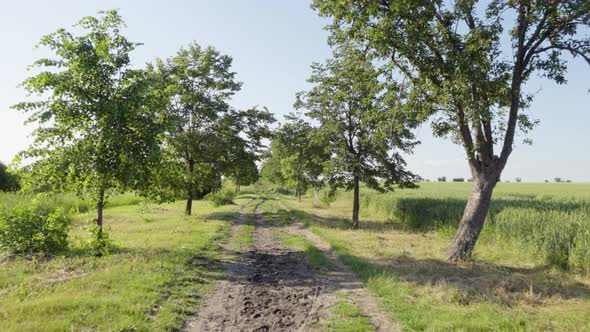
(462, 70)
(357, 108)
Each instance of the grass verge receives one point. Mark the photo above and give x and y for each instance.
(406, 270)
(164, 264)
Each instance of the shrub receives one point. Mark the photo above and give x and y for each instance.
(33, 229)
(223, 197)
(99, 244)
(328, 197)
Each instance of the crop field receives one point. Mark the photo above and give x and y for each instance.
(522, 276)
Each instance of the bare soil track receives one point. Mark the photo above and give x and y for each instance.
(269, 288)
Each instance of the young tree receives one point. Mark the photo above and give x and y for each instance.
(461, 69)
(198, 83)
(357, 108)
(98, 119)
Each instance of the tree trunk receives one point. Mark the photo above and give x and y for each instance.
(316, 199)
(237, 186)
(99, 208)
(474, 217)
(189, 199)
(189, 203)
(355, 204)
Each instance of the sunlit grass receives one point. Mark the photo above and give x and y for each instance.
(164, 263)
(506, 286)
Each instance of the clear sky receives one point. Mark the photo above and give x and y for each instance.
(273, 42)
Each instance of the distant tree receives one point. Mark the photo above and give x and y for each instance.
(467, 73)
(442, 179)
(458, 180)
(546, 180)
(302, 154)
(518, 179)
(271, 167)
(356, 106)
(8, 180)
(568, 181)
(558, 180)
(98, 120)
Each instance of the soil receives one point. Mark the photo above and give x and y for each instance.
(272, 288)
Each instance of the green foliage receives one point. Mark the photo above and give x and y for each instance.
(8, 180)
(328, 197)
(464, 72)
(31, 229)
(99, 242)
(543, 219)
(99, 126)
(299, 154)
(205, 137)
(358, 108)
(222, 197)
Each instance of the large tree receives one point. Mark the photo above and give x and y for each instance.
(98, 127)
(468, 64)
(357, 107)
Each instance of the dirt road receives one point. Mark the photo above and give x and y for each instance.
(270, 288)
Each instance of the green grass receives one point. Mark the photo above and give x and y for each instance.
(506, 287)
(280, 217)
(69, 202)
(345, 316)
(548, 220)
(243, 238)
(164, 263)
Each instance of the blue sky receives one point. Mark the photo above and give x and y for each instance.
(273, 43)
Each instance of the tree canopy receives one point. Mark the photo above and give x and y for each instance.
(358, 107)
(99, 124)
(467, 67)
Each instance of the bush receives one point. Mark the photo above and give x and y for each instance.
(328, 197)
(99, 244)
(223, 197)
(33, 229)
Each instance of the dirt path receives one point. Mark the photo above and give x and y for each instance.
(267, 288)
(271, 288)
(340, 278)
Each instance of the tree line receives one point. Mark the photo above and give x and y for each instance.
(168, 129)
(164, 131)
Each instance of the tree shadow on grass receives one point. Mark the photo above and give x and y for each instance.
(345, 223)
(473, 282)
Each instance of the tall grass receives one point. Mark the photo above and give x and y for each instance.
(66, 201)
(549, 220)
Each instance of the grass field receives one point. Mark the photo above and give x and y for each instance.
(151, 283)
(401, 247)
